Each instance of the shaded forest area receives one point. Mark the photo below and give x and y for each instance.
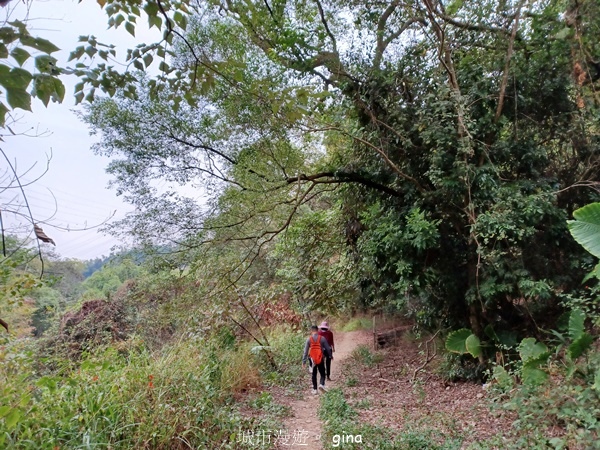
(299, 159)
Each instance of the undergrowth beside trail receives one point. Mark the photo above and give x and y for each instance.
(358, 323)
(192, 393)
(344, 427)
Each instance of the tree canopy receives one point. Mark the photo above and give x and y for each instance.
(449, 138)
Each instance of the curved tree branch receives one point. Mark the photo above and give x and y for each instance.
(345, 177)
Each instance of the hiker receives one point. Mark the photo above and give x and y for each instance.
(317, 348)
(324, 331)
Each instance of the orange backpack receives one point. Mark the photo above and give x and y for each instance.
(315, 352)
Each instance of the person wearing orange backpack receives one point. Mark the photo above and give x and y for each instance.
(317, 349)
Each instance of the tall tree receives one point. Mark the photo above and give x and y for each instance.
(457, 136)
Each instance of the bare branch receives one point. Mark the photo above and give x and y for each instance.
(382, 41)
(345, 177)
(509, 53)
(28, 208)
(324, 22)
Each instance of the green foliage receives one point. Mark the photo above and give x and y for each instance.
(580, 340)
(559, 389)
(15, 38)
(570, 406)
(461, 367)
(464, 341)
(532, 351)
(364, 355)
(127, 397)
(109, 278)
(586, 231)
(586, 228)
(48, 302)
(286, 346)
(422, 187)
(114, 401)
(533, 354)
(341, 420)
(358, 323)
(19, 279)
(298, 256)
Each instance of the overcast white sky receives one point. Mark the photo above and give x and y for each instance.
(76, 176)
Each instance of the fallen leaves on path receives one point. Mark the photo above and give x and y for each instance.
(386, 395)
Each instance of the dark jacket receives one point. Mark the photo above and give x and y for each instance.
(329, 336)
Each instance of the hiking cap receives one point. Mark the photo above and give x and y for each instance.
(324, 325)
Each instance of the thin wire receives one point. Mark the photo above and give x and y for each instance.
(28, 208)
(3, 241)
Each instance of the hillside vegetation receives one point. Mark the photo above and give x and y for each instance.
(293, 160)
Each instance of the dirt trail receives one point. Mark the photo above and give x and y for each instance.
(304, 426)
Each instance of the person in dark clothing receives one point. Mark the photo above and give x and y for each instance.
(324, 331)
(317, 347)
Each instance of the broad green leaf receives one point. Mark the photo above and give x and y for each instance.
(24, 400)
(90, 96)
(130, 28)
(17, 78)
(503, 337)
(12, 418)
(20, 54)
(59, 90)
(4, 410)
(45, 63)
(3, 51)
(576, 320)
(21, 26)
(40, 44)
(180, 19)
(148, 59)
(490, 332)
(473, 346)
(18, 98)
(164, 67)
(533, 375)
(4, 74)
(532, 351)
(90, 50)
(77, 53)
(275, 106)
(238, 76)
(7, 35)
(168, 37)
(118, 20)
(456, 341)
(43, 88)
(154, 21)
(79, 97)
(580, 345)
(586, 228)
